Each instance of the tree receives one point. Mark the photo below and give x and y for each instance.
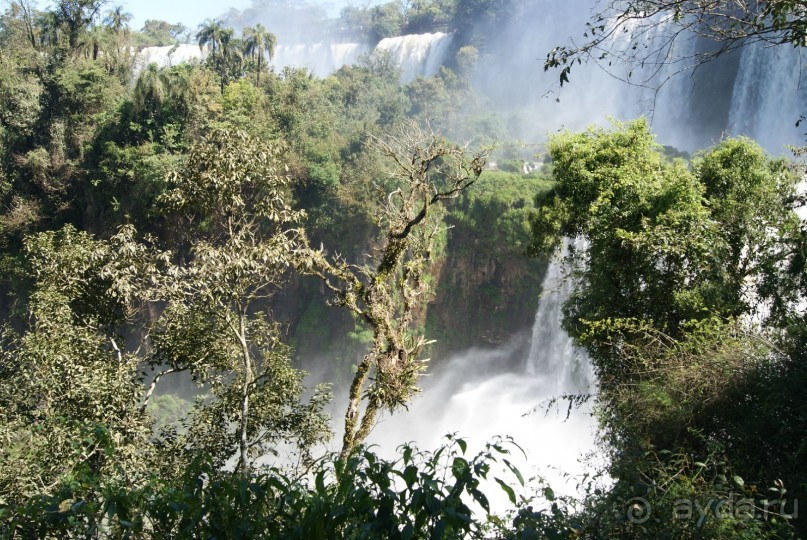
(387, 293)
(214, 34)
(213, 325)
(117, 20)
(687, 288)
(386, 20)
(668, 245)
(259, 41)
(66, 387)
(75, 16)
(20, 20)
(223, 49)
(159, 33)
(94, 41)
(70, 388)
(644, 33)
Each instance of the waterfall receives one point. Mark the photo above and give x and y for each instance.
(769, 96)
(481, 393)
(553, 360)
(417, 54)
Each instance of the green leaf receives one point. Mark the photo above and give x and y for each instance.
(515, 471)
(480, 498)
(462, 444)
(507, 489)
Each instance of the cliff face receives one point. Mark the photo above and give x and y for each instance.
(485, 290)
(483, 298)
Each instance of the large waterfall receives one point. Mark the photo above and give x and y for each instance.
(483, 393)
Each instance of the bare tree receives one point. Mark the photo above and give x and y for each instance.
(388, 291)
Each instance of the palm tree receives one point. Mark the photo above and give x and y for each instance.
(76, 16)
(214, 34)
(117, 20)
(219, 38)
(258, 41)
(50, 30)
(93, 41)
(151, 90)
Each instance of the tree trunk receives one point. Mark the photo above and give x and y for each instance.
(243, 443)
(350, 439)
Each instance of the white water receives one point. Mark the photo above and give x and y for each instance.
(480, 394)
(418, 54)
(321, 59)
(769, 95)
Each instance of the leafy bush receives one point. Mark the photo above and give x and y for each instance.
(418, 495)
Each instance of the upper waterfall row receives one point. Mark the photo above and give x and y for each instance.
(417, 55)
(757, 92)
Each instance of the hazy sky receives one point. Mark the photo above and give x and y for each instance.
(192, 12)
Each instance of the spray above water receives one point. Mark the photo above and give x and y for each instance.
(480, 394)
(321, 59)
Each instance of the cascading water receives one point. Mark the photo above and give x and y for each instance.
(321, 59)
(553, 358)
(417, 54)
(483, 393)
(769, 96)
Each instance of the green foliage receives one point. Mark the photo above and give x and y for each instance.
(156, 33)
(20, 94)
(220, 159)
(419, 495)
(670, 495)
(667, 244)
(386, 21)
(495, 214)
(168, 410)
(66, 374)
(211, 326)
(678, 259)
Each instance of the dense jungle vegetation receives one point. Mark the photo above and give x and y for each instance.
(179, 243)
